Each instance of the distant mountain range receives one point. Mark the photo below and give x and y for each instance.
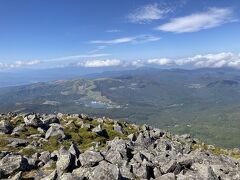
(203, 102)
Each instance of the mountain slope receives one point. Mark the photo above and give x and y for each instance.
(64, 146)
(203, 102)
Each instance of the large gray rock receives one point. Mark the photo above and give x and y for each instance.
(32, 120)
(5, 127)
(105, 171)
(45, 157)
(177, 167)
(49, 119)
(11, 164)
(117, 127)
(70, 176)
(55, 130)
(65, 162)
(205, 171)
(83, 172)
(75, 152)
(52, 176)
(99, 131)
(17, 176)
(142, 170)
(126, 170)
(169, 176)
(85, 117)
(132, 137)
(17, 142)
(114, 157)
(19, 129)
(121, 146)
(90, 158)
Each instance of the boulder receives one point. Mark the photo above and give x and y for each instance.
(114, 157)
(177, 167)
(49, 119)
(142, 170)
(11, 164)
(85, 117)
(52, 176)
(45, 157)
(120, 145)
(83, 172)
(17, 142)
(75, 152)
(17, 176)
(32, 120)
(55, 130)
(105, 171)
(99, 131)
(87, 126)
(205, 171)
(169, 176)
(117, 127)
(126, 170)
(90, 158)
(19, 129)
(70, 176)
(5, 127)
(132, 137)
(65, 162)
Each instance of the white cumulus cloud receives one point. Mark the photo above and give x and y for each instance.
(195, 22)
(137, 63)
(160, 61)
(18, 64)
(100, 63)
(224, 59)
(218, 60)
(147, 13)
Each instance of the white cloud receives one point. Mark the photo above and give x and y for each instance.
(132, 39)
(18, 64)
(100, 63)
(137, 63)
(77, 57)
(224, 59)
(147, 13)
(218, 60)
(195, 22)
(63, 61)
(160, 61)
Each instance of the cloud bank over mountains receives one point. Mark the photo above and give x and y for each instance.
(18, 64)
(218, 60)
(100, 63)
(224, 59)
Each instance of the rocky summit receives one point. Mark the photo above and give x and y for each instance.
(72, 147)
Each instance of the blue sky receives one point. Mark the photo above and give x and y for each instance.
(94, 33)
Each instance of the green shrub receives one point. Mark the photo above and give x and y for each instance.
(28, 151)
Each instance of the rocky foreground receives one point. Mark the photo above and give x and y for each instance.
(70, 147)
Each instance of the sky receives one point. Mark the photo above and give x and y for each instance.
(119, 33)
